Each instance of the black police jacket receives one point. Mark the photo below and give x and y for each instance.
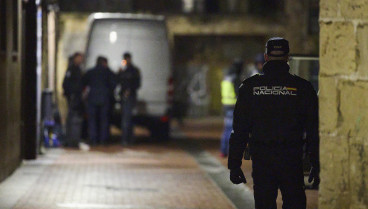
(130, 79)
(275, 110)
(101, 82)
(72, 83)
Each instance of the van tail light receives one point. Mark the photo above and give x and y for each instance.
(170, 91)
(164, 119)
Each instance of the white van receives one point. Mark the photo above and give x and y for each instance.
(145, 37)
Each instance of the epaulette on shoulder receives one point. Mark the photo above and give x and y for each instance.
(252, 78)
(300, 78)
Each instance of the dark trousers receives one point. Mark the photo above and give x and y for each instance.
(73, 128)
(98, 122)
(74, 121)
(127, 119)
(275, 169)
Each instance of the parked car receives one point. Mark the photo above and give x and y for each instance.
(145, 37)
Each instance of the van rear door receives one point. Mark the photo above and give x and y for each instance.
(146, 39)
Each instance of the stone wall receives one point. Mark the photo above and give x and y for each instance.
(344, 104)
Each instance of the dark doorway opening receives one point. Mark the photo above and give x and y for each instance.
(29, 80)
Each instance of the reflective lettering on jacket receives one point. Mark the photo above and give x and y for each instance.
(275, 90)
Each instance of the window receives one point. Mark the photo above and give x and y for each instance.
(306, 67)
(266, 7)
(2, 25)
(313, 24)
(15, 25)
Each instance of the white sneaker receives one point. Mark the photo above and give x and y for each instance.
(84, 147)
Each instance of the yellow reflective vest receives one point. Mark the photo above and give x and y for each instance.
(228, 93)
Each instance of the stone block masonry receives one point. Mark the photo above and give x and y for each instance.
(344, 104)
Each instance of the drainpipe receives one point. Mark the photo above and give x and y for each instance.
(39, 72)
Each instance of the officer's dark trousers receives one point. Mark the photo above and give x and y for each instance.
(278, 168)
(74, 121)
(127, 119)
(98, 122)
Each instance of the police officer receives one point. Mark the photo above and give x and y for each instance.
(72, 85)
(100, 82)
(130, 81)
(229, 87)
(72, 82)
(272, 114)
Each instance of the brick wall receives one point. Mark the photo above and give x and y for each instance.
(344, 103)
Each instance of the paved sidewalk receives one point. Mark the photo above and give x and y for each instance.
(145, 176)
(186, 173)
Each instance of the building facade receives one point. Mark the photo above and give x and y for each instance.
(205, 37)
(23, 69)
(10, 86)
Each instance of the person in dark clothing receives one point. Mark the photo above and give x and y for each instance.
(235, 71)
(272, 115)
(72, 82)
(257, 67)
(259, 62)
(100, 82)
(229, 93)
(130, 81)
(72, 85)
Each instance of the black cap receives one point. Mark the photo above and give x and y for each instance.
(277, 47)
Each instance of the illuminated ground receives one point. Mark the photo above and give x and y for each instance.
(186, 173)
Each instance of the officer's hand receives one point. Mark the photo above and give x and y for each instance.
(237, 176)
(314, 176)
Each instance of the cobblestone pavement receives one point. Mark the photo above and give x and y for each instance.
(144, 176)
